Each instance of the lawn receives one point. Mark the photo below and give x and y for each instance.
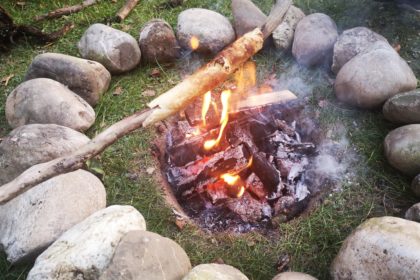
(312, 240)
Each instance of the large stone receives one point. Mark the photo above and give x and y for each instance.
(373, 76)
(85, 250)
(215, 272)
(246, 16)
(212, 29)
(314, 40)
(147, 255)
(47, 101)
(352, 42)
(415, 185)
(89, 79)
(293, 276)
(380, 248)
(402, 149)
(413, 213)
(283, 35)
(36, 218)
(35, 143)
(403, 108)
(158, 42)
(118, 51)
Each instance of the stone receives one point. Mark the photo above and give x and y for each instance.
(47, 101)
(215, 272)
(147, 255)
(314, 40)
(413, 213)
(283, 35)
(212, 29)
(402, 149)
(352, 42)
(37, 217)
(158, 42)
(403, 108)
(85, 250)
(293, 276)
(35, 143)
(89, 79)
(118, 51)
(360, 83)
(415, 185)
(246, 16)
(380, 248)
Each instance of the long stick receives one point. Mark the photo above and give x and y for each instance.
(167, 104)
(126, 9)
(66, 10)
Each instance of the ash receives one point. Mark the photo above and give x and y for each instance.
(267, 147)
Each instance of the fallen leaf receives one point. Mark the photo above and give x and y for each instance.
(322, 103)
(397, 47)
(150, 170)
(149, 92)
(155, 73)
(125, 27)
(6, 79)
(180, 223)
(118, 90)
(218, 261)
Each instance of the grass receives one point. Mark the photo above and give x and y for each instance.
(312, 241)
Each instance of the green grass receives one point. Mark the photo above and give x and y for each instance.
(311, 240)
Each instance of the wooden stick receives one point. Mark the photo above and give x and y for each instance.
(66, 10)
(167, 104)
(126, 9)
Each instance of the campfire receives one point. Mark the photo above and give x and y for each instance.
(235, 158)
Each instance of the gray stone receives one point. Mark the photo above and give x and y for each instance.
(283, 35)
(402, 149)
(47, 101)
(352, 42)
(413, 213)
(373, 76)
(85, 250)
(118, 51)
(415, 185)
(246, 16)
(158, 42)
(89, 79)
(215, 272)
(212, 29)
(293, 276)
(314, 40)
(380, 248)
(35, 143)
(36, 218)
(147, 255)
(403, 108)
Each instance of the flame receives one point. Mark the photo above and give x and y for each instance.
(233, 179)
(205, 107)
(209, 144)
(194, 43)
(246, 77)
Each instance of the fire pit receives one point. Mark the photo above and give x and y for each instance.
(238, 157)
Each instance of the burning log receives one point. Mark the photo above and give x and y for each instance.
(267, 173)
(208, 77)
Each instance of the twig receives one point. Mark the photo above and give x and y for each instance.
(126, 9)
(66, 10)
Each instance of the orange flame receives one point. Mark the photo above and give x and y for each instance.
(209, 144)
(206, 106)
(233, 179)
(194, 43)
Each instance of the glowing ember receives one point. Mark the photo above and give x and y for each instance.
(194, 43)
(209, 144)
(206, 106)
(233, 179)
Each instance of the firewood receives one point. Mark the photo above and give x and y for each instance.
(126, 9)
(66, 10)
(211, 75)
